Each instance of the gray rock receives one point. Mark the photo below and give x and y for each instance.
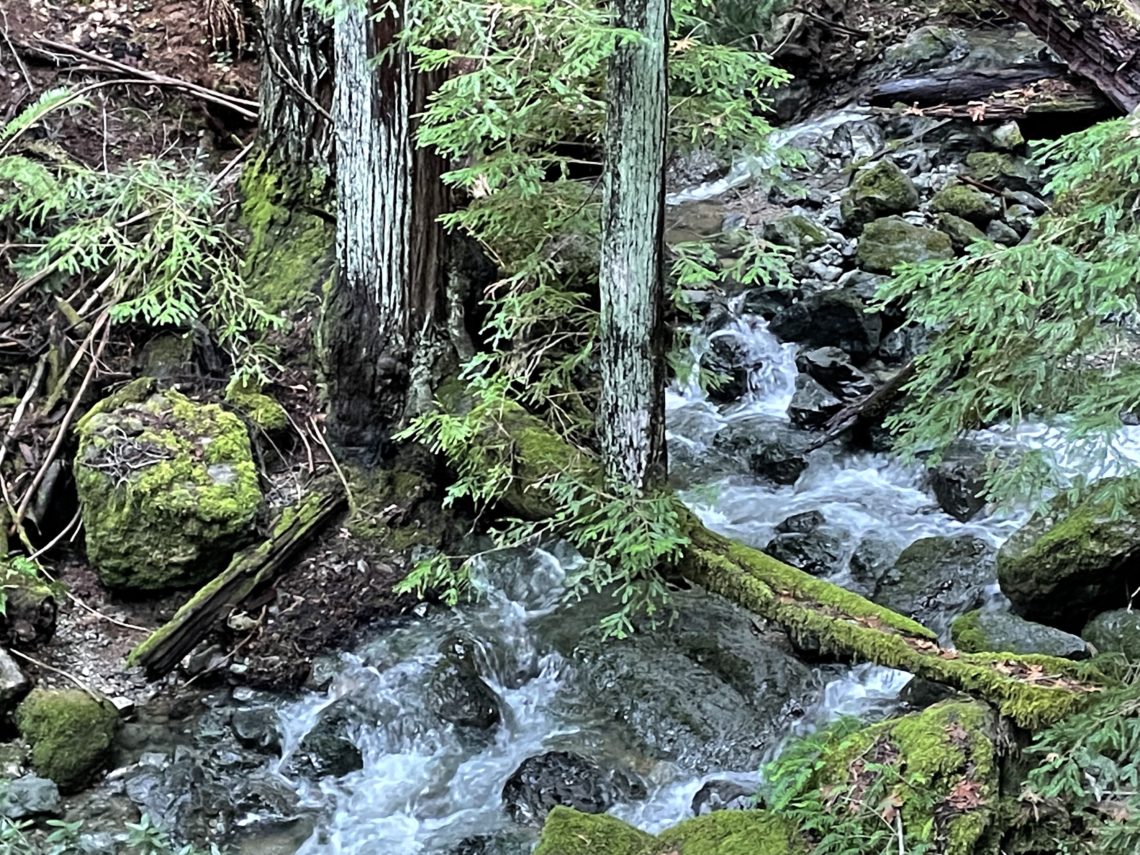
(958, 481)
(256, 727)
(804, 541)
(1001, 632)
(831, 318)
(1117, 631)
(770, 447)
(728, 358)
(962, 233)
(801, 523)
(722, 795)
(812, 405)
(967, 202)
(872, 559)
(457, 693)
(29, 796)
(767, 302)
(832, 368)
(904, 343)
(999, 232)
(936, 578)
(1004, 171)
(14, 684)
(1007, 137)
(556, 778)
(796, 231)
(1020, 219)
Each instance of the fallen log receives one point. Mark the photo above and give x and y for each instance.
(1044, 97)
(248, 571)
(956, 86)
(1099, 41)
(1033, 691)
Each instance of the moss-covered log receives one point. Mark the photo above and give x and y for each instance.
(1031, 690)
(248, 571)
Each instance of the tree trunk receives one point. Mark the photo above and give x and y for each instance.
(296, 85)
(631, 418)
(1100, 41)
(389, 243)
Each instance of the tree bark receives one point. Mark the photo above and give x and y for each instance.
(296, 85)
(389, 243)
(631, 418)
(1099, 41)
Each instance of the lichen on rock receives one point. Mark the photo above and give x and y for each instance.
(167, 488)
(69, 732)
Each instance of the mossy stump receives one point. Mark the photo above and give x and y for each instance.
(69, 733)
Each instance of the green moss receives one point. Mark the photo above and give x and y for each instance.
(1003, 171)
(569, 832)
(966, 202)
(888, 242)
(966, 634)
(877, 191)
(167, 488)
(263, 411)
(290, 250)
(744, 832)
(69, 733)
(962, 233)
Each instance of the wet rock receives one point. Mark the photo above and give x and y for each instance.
(14, 684)
(256, 727)
(29, 796)
(1032, 204)
(904, 343)
(832, 367)
(886, 243)
(771, 447)
(503, 843)
(1001, 632)
(877, 191)
(1004, 171)
(729, 360)
(936, 578)
(328, 750)
(796, 231)
(1020, 219)
(999, 232)
(927, 47)
(767, 302)
(919, 693)
(69, 733)
(962, 233)
(29, 614)
(1073, 560)
(803, 541)
(959, 481)
(800, 523)
(812, 405)
(1117, 631)
(571, 832)
(457, 693)
(1007, 137)
(871, 560)
(966, 202)
(831, 318)
(722, 795)
(167, 488)
(563, 778)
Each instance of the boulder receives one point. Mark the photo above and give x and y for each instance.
(796, 231)
(167, 488)
(966, 202)
(872, 559)
(770, 447)
(29, 614)
(936, 578)
(1117, 631)
(457, 693)
(904, 343)
(812, 405)
(999, 232)
(722, 795)
(262, 411)
(1020, 218)
(803, 541)
(556, 778)
(832, 367)
(328, 749)
(1075, 559)
(1004, 171)
(731, 362)
(831, 318)
(962, 233)
(891, 241)
(256, 727)
(958, 481)
(571, 832)
(69, 733)
(14, 684)
(29, 796)
(1000, 632)
(878, 190)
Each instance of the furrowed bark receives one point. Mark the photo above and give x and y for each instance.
(1032, 690)
(631, 417)
(389, 243)
(1099, 41)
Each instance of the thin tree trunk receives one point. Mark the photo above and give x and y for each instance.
(389, 244)
(1099, 41)
(631, 419)
(296, 85)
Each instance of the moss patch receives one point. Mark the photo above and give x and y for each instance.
(167, 488)
(69, 733)
(733, 832)
(569, 832)
(879, 190)
(263, 411)
(891, 241)
(966, 202)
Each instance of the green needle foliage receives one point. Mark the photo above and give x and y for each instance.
(1042, 330)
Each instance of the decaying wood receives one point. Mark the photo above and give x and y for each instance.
(870, 408)
(927, 97)
(1099, 41)
(956, 86)
(247, 572)
(1030, 690)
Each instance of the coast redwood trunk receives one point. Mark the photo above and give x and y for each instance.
(631, 418)
(389, 245)
(1099, 41)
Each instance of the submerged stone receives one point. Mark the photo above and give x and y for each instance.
(69, 733)
(167, 488)
(891, 241)
(1000, 632)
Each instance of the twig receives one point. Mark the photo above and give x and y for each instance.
(319, 436)
(51, 544)
(16, 54)
(287, 76)
(899, 828)
(304, 442)
(229, 167)
(59, 671)
(242, 106)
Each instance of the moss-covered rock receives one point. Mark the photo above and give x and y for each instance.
(1074, 560)
(1117, 631)
(888, 242)
(1004, 171)
(961, 232)
(966, 202)
(879, 190)
(569, 832)
(796, 231)
(996, 632)
(937, 768)
(69, 733)
(263, 411)
(167, 488)
(29, 613)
